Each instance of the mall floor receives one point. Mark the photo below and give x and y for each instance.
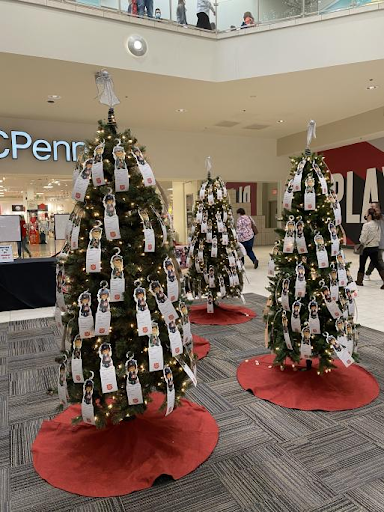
(369, 302)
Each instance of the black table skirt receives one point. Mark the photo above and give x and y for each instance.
(27, 284)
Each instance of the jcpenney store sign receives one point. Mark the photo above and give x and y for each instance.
(41, 149)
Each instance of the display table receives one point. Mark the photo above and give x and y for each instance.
(27, 284)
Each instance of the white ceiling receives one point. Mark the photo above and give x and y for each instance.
(147, 100)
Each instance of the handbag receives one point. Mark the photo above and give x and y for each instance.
(254, 227)
(358, 249)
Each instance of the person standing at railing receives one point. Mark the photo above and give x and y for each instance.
(132, 7)
(181, 13)
(248, 20)
(203, 8)
(145, 5)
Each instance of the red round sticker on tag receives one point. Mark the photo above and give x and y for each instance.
(93, 266)
(87, 333)
(156, 365)
(89, 420)
(98, 180)
(78, 377)
(310, 207)
(122, 187)
(77, 195)
(149, 247)
(149, 180)
(135, 400)
(109, 386)
(171, 317)
(336, 314)
(113, 234)
(145, 329)
(173, 298)
(177, 350)
(117, 296)
(101, 330)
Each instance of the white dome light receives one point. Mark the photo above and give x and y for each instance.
(137, 45)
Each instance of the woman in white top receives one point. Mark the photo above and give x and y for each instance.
(203, 7)
(370, 238)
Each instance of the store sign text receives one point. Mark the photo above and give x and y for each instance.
(41, 149)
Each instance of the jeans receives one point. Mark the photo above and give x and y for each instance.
(373, 254)
(381, 262)
(23, 245)
(145, 4)
(248, 244)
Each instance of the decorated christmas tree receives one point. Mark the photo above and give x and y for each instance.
(214, 258)
(127, 329)
(311, 309)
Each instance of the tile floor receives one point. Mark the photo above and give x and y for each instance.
(370, 303)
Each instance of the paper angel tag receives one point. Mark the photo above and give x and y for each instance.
(298, 175)
(187, 370)
(143, 314)
(175, 339)
(163, 303)
(103, 313)
(82, 182)
(332, 197)
(93, 256)
(224, 237)
(300, 238)
(60, 283)
(285, 294)
(211, 199)
(62, 388)
(210, 306)
(133, 386)
(320, 176)
(351, 337)
(77, 362)
(69, 227)
(75, 235)
(117, 283)
(172, 282)
(331, 305)
(313, 317)
(289, 240)
(301, 284)
(121, 170)
(309, 194)
(86, 328)
(144, 168)
(162, 225)
(305, 346)
(107, 370)
(155, 350)
(97, 166)
(287, 338)
(350, 301)
(202, 191)
(223, 291)
(333, 283)
(295, 317)
(199, 214)
(205, 274)
(87, 409)
(214, 247)
(211, 277)
(335, 247)
(198, 266)
(219, 223)
(341, 270)
(225, 216)
(339, 351)
(168, 377)
(321, 251)
(351, 283)
(111, 220)
(149, 234)
(288, 196)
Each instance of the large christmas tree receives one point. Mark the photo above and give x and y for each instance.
(214, 258)
(128, 332)
(311, 309)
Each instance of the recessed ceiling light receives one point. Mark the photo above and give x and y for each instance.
(371, 87)
(253, 96)
(137, 45)
(280, 121)
(54, 97)
(181, 110)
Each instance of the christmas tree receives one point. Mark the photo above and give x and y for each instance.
(214, 258)
(310, 311)
(127, 326)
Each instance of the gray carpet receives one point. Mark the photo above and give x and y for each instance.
(268, 458)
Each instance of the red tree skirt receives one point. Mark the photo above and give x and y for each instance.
(201, 346)
(341, 389)
(126, 457)
(224, 314)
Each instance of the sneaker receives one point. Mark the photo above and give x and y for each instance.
(256, 264)
(367, 277)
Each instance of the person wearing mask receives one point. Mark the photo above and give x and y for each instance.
(248, 20)
(370, 239)
(157, 13)
(376, 206)
(181, 13)
(246, 230)
(24, 238)
(145, 5)
(203, 8)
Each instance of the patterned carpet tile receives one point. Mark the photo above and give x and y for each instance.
(369, 496)
(26, 381)
(340, 504)
(32, 406)
(22, 436)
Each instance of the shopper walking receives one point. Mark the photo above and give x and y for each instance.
(24, 239)
(370, 239)
(145, 5)
(181, 13)
(203, 8)
(376, 206)
(246, 230)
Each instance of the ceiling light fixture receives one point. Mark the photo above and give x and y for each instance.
(137, 45)
(54, 97)
(280, 121)
(371, 87)
(181, 110)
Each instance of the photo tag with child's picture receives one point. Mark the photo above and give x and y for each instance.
(295, 317)
(289, 238)
(149, 234)
(351, 337)
(333, 283)
(313, 316)
(77, 361)
(93, 256)
(111, 220)
(172, 282)
(219, 223)
(210, 305)
(86, 326)
(133, 386)
(214, 247)
(121, 170)
(320, 176)
(187, 370)
(211, 199)
(75, 234)
(321, 251)
(288, 196)
(223, 291)
(335, 206)
(163, 303)
(168, 377)
(175, 341)
(162, 225)
(298, 176)
(117, 283)
(287, 338)
(309, 194)
(202, 191)
(285, 294)
(199, 214)
(87, 408)
(187, 334)
(350, 301)
(60, 284)
(300, 284)
(341, 334)
(143, 314)
(224, 237)
(144, 168)
(103, 312)
(97, 165)
(204, 223)
(305, 346)
(331, 305)
(82, 182)
(155, 349)
(62, 388)
(301, 243)
(339, 351)
(208, 236)
(211, 277)
(107, 370)
(341, 269)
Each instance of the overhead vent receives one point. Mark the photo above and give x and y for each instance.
(227, 124)
(256, 127)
